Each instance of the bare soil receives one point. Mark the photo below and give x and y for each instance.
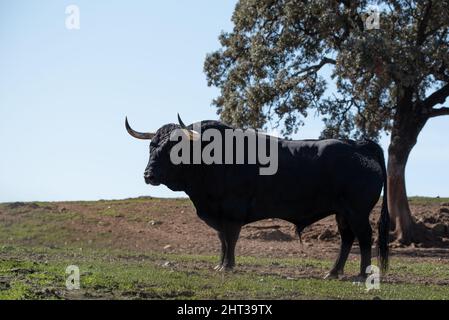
(152, 235)
(172, 226)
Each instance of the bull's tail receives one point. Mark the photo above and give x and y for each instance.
(384, 222)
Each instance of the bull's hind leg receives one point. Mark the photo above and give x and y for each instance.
(230, 234)
(347, 239)
(361, 227)
(364, 235)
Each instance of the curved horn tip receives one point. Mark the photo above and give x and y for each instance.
(181, 123)
(138, 135)
(128, 127)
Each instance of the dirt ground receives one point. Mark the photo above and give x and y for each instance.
(172, 226)
(163, 244)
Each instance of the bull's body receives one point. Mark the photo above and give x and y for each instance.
(315, 179)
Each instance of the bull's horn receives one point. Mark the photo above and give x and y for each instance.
(193, 135)
(138, 135)
(183, 126)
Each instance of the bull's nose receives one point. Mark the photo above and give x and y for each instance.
(150, 178)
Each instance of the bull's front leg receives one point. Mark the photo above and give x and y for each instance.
(228, 237)
(223, 250)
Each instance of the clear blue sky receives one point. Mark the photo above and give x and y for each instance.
(64, 96)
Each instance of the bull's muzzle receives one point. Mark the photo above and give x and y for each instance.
(150, 178)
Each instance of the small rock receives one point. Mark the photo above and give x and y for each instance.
(167, 264)
(431, 220)
(445, 204)
(167, 247)
(270, 235)
(154, 223)
(4, 285)
(420, 222)
(327, 234)
(16, 205)
(444, 211)
(439, 229)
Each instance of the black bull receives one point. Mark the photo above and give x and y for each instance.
(315, 179)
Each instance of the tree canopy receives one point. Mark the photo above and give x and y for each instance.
(275, 64)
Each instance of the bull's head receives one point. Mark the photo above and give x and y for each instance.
(160, 169)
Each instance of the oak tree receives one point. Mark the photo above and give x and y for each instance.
(282, 56)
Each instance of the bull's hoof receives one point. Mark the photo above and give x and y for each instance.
(362, 277)
(331, 276)
(223, 268)
(359, 279)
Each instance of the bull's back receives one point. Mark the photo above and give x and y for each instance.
(315, 176)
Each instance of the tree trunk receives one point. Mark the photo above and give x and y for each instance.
(404, 134)
(401, 218)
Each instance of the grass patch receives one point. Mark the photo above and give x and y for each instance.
(427, 200)
(41, 239)
(40, 273)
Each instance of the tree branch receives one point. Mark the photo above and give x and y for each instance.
(440, 73)
(422, 25)
(439, 112)
(437, 97)
(316, 67)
